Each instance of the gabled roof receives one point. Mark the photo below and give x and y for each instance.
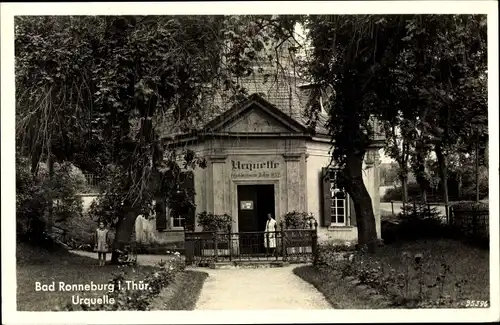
(285, 94)
(256, 102)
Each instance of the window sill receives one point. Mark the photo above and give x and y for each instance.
(174, 229)
(340, 228)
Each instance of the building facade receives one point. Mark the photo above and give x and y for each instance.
(262, 160)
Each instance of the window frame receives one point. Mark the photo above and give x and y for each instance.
(334, 202)
(172, 219)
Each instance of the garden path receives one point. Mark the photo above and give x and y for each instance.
(248, 288)
(141, 259)
(258, 288)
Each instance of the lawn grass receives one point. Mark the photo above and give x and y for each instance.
(336, 290)
(465, 262)
(36, 264)
(183, 294)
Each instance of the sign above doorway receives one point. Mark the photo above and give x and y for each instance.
(241, 165)
(255, 169)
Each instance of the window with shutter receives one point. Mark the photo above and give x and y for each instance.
(185, 219)
(338, 206)
(325, 180)
(160, 215)
(352, 213)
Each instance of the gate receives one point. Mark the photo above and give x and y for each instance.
(287, 245)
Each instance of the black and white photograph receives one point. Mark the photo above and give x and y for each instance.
(298, 158)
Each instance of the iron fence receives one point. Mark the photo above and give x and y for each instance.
(93, 182)
(472, 223)
(287, 245)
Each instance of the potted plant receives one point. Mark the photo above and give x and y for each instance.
(218, 225)
(298, 241)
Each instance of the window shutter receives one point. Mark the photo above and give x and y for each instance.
(187, 182)
(352, 212)
(327, 200)
(161, 215)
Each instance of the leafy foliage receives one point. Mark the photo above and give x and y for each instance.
(440, 86)
(214, 222)
(130, 299)
(95, 91)
(100, 91)
(412, 279)
(298, 220)
(461, 185)
(416, 221)
(422, 74)
(34, 194)
(396, 193)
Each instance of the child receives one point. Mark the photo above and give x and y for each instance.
(101, 242)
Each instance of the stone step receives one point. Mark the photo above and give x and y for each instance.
(247, 264)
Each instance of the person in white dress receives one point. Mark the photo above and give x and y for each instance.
(270, 234)
(101, 242)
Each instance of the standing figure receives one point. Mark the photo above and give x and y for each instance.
(270, 234)
(101, 242)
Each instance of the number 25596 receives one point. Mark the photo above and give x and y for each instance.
(477, 303)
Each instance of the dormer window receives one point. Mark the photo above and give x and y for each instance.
(307, 91)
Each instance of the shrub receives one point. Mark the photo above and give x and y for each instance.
(298, 220)
(415, 222)
(214, 222)
(415, 283)
(470, 205)
(126, 299)
(468, 191)
(329, 254)
(34, 195)
(396, 193)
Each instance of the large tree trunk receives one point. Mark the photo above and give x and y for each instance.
(459, 185)
(35, 160)
(365, 219)
(50, 217)
(443, 172)
(147, 135)
(477, 172)
(486, 153)
(124, 230)
(404, 185)
(419, 170)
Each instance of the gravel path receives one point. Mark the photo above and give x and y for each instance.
(258, 288)
(141, 259)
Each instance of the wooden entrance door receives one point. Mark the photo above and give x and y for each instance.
(254, 203)
(247, 208)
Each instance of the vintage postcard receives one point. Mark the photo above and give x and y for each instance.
(250, 162)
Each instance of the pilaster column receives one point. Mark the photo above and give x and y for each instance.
(293, 176)
(218, 182)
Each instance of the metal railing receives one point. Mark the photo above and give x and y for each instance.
(287, 245)
(471, 223)
(93, 181)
